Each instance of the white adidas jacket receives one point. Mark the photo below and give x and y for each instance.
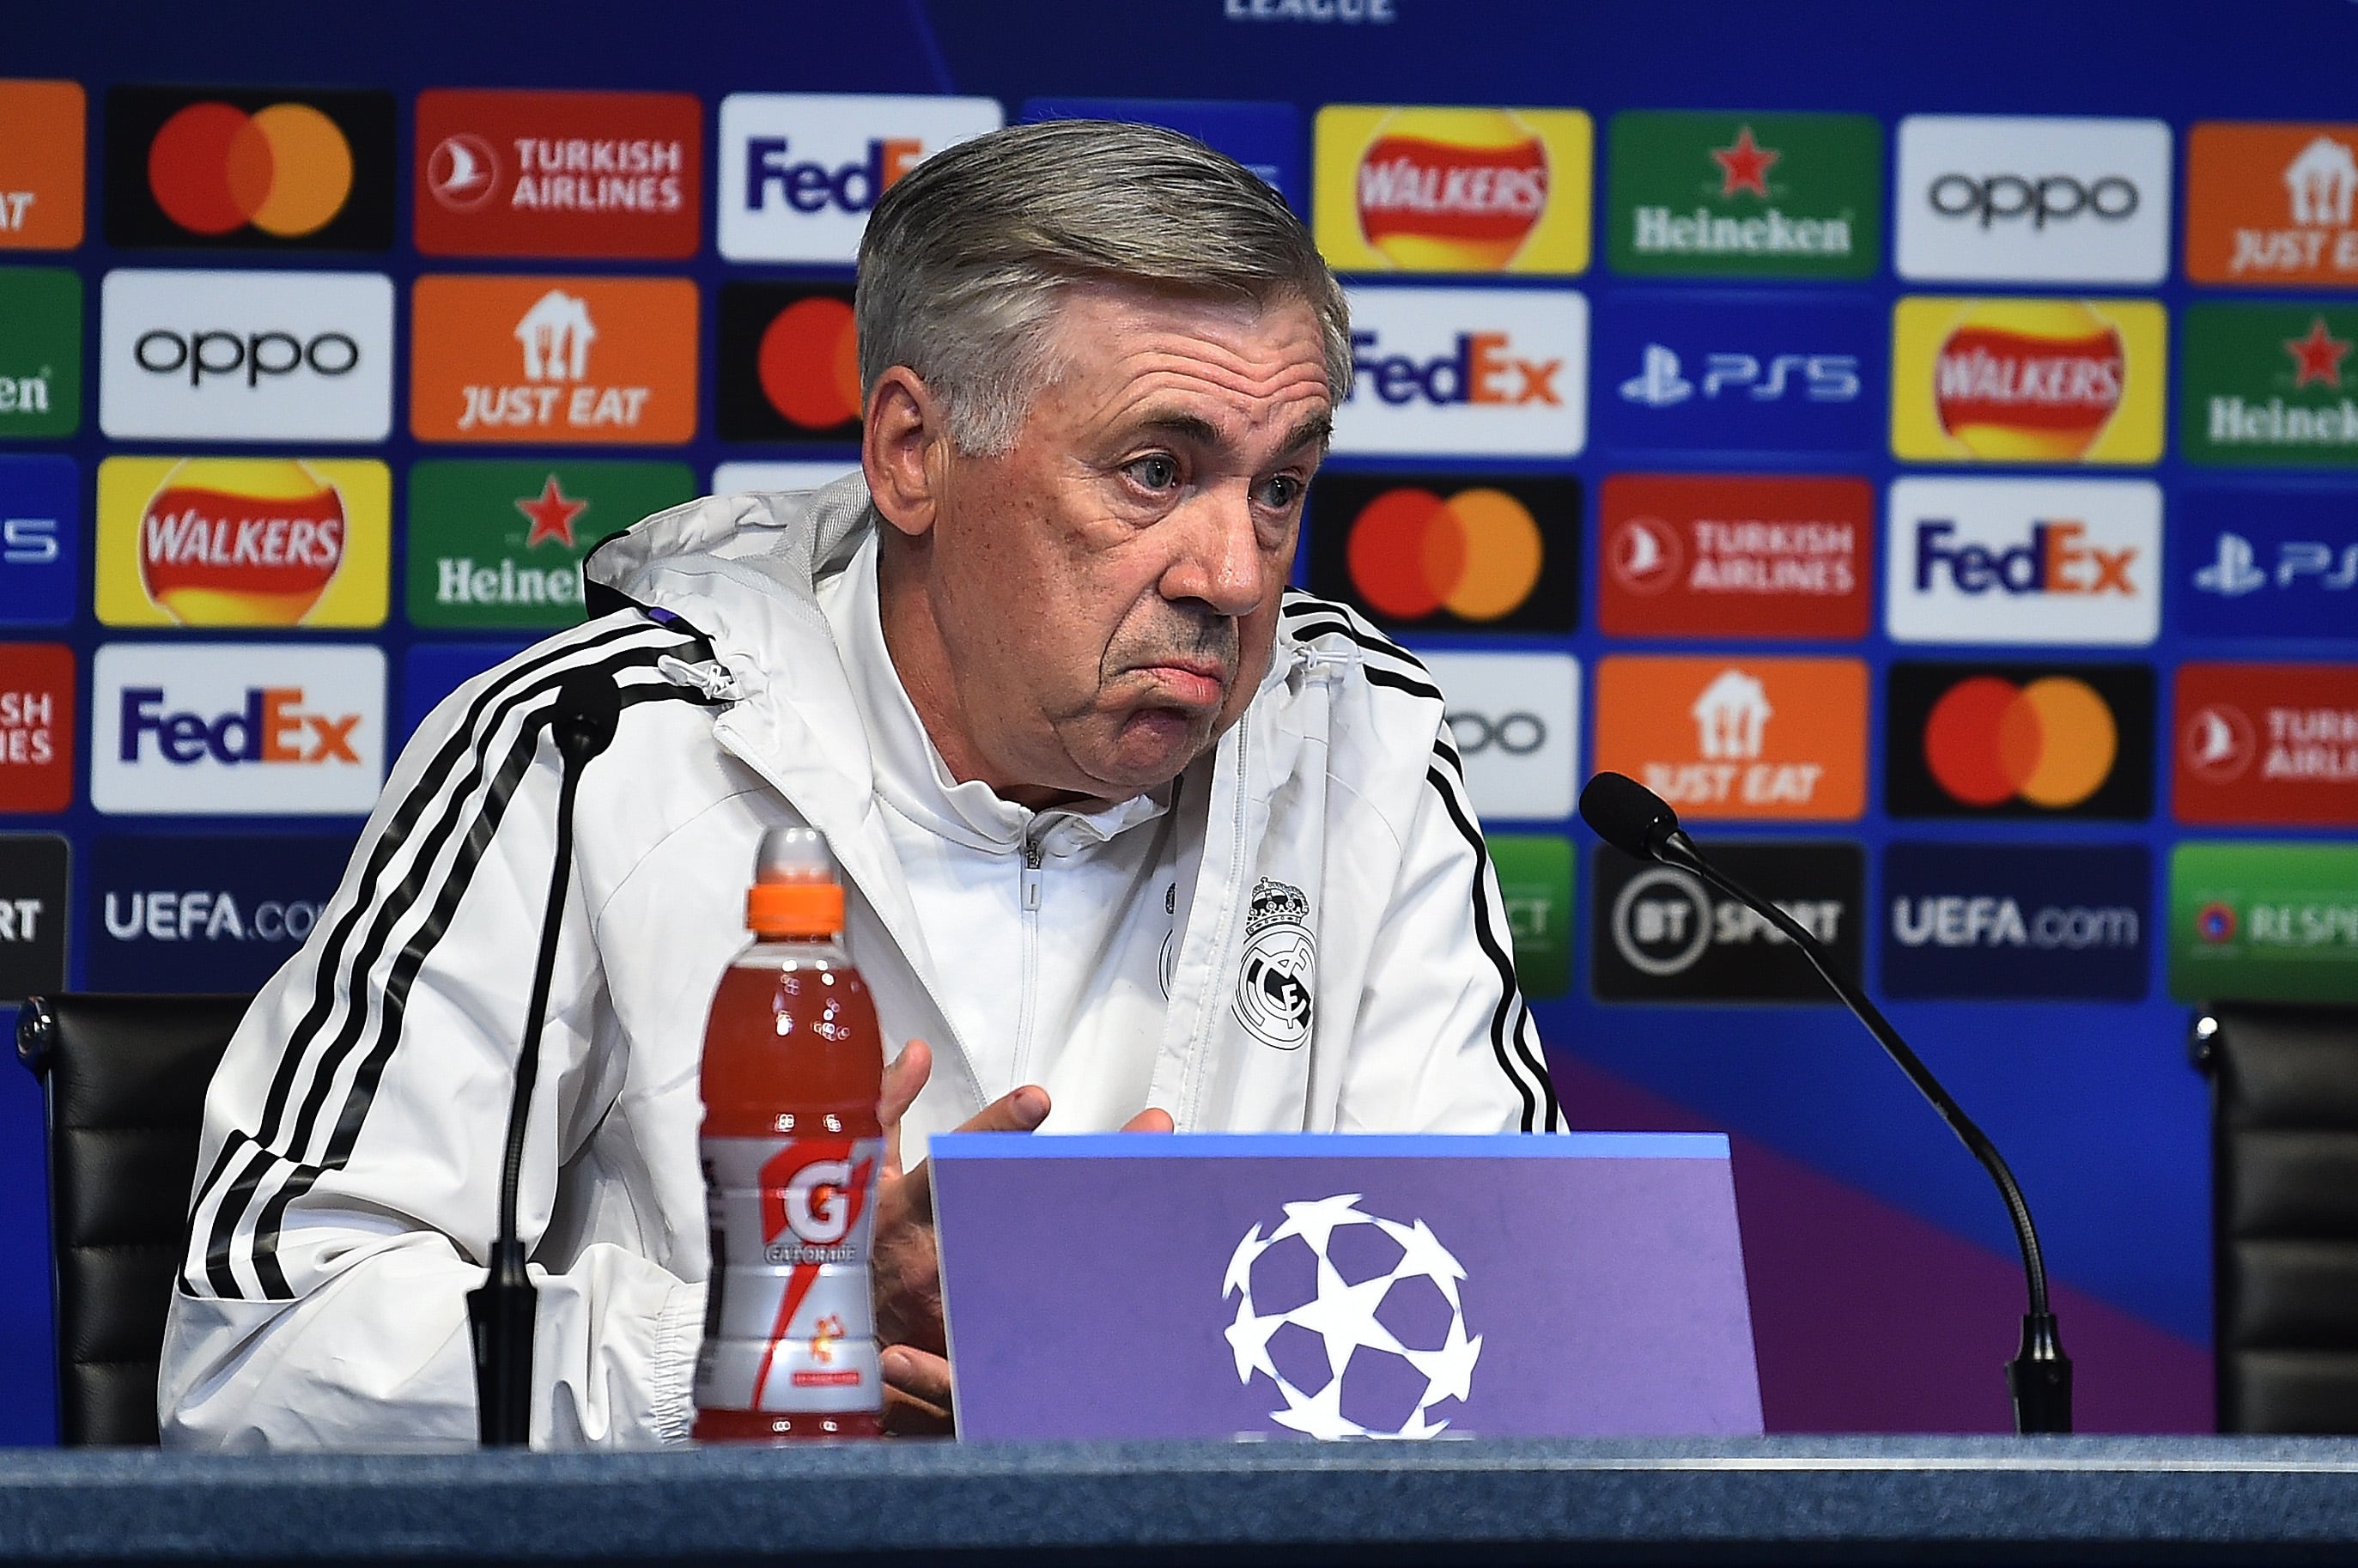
(348, 1174)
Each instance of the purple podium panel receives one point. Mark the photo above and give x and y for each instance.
(1254, 1286)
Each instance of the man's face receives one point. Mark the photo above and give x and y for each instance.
(1106, 592)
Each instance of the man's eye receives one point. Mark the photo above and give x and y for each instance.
(1280, 493)
(1157, 472)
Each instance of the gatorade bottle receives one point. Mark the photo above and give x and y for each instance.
(793, 1070)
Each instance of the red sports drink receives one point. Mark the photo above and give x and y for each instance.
(793, 1070)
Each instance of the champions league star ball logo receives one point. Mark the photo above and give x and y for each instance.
(1280, 965)
(1355, 1318)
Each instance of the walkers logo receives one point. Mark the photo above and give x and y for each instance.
(1657, 933)
(40, 164)
(249, 169)
(789, 364)
(2017, 922)
(1515, 721)
(800, 171)
(246, 356)
(1733, 556)
(237, 729)
(559, 174)
(1466, 372)
(41, 352)
(2029, 740)
(243, 542)
(1535, 884)
(1265, 138)
(1765, 738)
(1453, 189)
(553, 360)
(497, 546)
(2024, 560)
(2270, 384)
(33, 877)
(1759, 375)
(202, 911)
(2024, 198)
(37, 726)
(2286, 568)
(1796, 196)
(2268, 743)
(2264, 921)
(2026, 381)
(40, 534)
(1456, 552)
(2272, 205)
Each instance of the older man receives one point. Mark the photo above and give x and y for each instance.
(1134, 836)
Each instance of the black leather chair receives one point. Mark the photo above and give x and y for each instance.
(2284, 1183)
(123, 1081)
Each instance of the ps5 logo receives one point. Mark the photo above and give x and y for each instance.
(1818, 378)
(2235, 571)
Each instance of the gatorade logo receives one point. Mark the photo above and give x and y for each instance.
(243, 542)
(1488, 552)
(1479, 371)
(2038, 381)
(250, 168)
(1420, 190)
(789, 363)
(813, 1192)
(237, 729)
(2020, 740)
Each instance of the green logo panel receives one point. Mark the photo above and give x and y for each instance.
(1710, 195)
(2264, 921)
(1535, 879)
(498, 545)
(2273, 385)
(41, 352)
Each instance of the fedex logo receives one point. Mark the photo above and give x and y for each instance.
(2024, 561)
(272, 727)
(1447, 371)
(2055, 560)
(799, 172)
(237, 729)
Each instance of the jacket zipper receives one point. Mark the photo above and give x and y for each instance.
(1031, 887)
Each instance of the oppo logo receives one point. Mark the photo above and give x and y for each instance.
(1516, 734)
(254, 354)
(1993, 198)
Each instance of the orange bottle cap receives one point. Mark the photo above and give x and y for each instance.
(794, 891)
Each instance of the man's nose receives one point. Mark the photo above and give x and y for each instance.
(1220, 562)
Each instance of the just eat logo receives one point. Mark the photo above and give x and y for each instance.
(237, 729)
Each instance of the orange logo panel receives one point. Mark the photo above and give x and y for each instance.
(1738, 737)
(40, 164)
(553, 360)
(2272, 204)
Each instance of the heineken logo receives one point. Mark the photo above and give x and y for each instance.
(1759, 195)
(2270, 384)
(498, 545)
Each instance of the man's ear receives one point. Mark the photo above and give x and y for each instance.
(902, 443)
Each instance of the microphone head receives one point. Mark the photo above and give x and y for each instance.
(1627, 816)
(589, 706)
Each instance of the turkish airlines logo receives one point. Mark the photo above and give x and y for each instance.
(462, 172)
(246, 356)
(2219, 742)
(2034, 198)
(562, 174)
(37, 727)
(2268, 743)
(1476, 372)
(1742, 555)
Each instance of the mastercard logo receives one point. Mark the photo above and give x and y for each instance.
(246, 542)
(1452, 188)
(2051, 742)
(286, 170)
(2032, 381)
(1476, 554)
(808, 364)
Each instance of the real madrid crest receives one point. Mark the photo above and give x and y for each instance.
(1281, 967)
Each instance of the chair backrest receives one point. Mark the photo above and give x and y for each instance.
(2283, 1174)
(123, 1083)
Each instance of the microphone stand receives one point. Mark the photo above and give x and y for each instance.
(502, 1310)
(2040, 1376)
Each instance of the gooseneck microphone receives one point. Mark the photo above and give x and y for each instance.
(1637, 821)
(499, 1311)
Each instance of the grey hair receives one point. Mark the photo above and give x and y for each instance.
(967, 257)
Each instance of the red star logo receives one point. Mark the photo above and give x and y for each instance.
(552, 514)
(1745, 166)
(2317, 357)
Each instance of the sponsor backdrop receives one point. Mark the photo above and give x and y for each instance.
(1925, 457)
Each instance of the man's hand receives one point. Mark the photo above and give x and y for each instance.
(908, 1277)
